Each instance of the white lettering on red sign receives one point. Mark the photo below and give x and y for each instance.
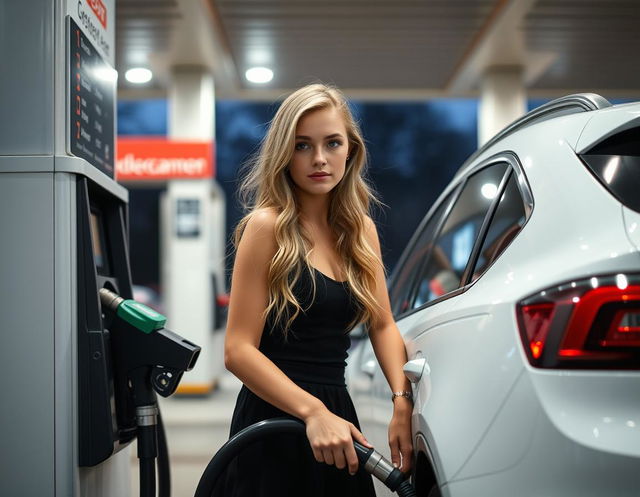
(99, 10)
(149, 167)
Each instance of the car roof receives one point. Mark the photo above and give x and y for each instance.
(570, 104)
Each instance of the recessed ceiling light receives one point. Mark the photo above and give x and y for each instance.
(138, 75)
(259, 75)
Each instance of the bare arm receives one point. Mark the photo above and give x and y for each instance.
(329, 435)
(390, 351)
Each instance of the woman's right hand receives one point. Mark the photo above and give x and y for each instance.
(331, 439)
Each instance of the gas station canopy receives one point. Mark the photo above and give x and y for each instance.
(379, 49)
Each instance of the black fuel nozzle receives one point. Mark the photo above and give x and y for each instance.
(147, 359)
(145, 352)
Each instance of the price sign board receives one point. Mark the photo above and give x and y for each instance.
(91, 102)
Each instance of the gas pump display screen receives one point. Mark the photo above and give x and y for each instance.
(98, 243)
(92, 83)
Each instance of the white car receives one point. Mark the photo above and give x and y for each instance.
(518, 298)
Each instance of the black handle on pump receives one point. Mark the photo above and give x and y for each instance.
(371, 460)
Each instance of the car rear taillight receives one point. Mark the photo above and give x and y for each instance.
(592, 323)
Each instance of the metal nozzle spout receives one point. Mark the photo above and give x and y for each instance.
(109, 299)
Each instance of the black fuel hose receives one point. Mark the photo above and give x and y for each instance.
(147, 451)
(147, 477)
(154, 454)
(164, 469)
(370, 460)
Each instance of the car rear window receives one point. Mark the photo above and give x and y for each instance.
(615, 162)
(452, 248)
(507, 222)
(411, 263)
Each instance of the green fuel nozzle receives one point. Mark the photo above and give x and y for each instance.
(157, 357)
(136, 314)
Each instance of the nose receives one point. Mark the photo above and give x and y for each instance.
(318, 158)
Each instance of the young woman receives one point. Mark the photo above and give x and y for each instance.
(307, 270)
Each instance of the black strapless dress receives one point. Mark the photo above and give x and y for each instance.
(313, 356)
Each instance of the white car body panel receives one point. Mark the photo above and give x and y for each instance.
(494, 425)
(460, 398)
(372, 395)
(545, 463)
(632, 226)
(607, 122)
(569, 129)
(595, 410)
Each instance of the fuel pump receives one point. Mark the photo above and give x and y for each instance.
(76, 395)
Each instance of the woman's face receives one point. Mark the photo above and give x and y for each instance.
(321, 150)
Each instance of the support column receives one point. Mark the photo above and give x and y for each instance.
(503, 100)
(193, 234)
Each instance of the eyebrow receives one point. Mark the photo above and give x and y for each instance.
(334, 135)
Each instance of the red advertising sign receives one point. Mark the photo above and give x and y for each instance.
(99, 10)
(158, 159)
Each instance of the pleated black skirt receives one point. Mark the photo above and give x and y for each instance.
(283, 465)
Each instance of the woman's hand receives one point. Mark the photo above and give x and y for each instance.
(331, 439)
(400, 434)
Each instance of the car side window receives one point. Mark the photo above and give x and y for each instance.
(452, 248)
(403, 283)
(507, 222)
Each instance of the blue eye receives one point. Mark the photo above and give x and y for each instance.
(334, 143)
(301, 146)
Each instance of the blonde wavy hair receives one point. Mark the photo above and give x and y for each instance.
(265, 185)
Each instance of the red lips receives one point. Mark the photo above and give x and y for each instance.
(318, 175)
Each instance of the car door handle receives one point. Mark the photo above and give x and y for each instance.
(415, 368)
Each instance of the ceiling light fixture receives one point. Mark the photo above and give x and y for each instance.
(259, 75)
(138, 75)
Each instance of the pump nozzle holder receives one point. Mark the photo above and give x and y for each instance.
(144, 351)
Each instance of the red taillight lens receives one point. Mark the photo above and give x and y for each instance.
(624, 330)
(536, 320)
(592, 323)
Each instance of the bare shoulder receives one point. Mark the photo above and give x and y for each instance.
(260, 226)
(258, 242)
(368, 223)
(371, 231)
(263, 219)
